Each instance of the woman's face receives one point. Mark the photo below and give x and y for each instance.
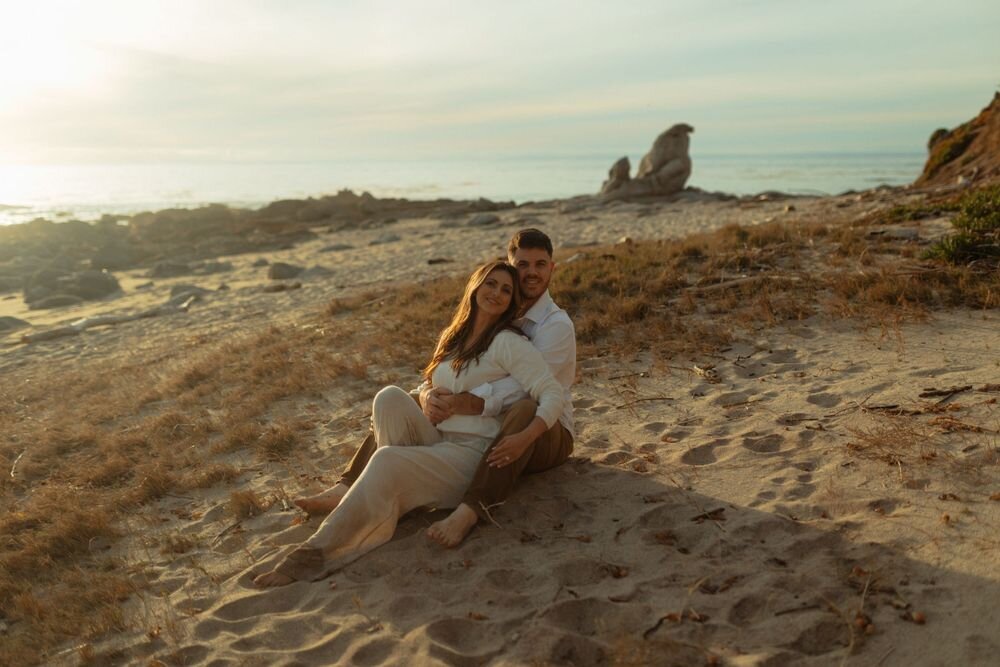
(494, 295)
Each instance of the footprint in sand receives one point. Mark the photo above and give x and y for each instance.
(583, 572)
(614, 458)
(462, 635)
(583, 403)
(701, 455)
(762, 497)
(747, 610)
(586, 616)
(261, 604)
(328, 652)
(786, 356)
(376, 652)
(189, 655)
(763, 444)
(559, 648)
(794, 418)
(732, 398)
(823, 399)
(799, 492)
(508, 580)
(809, 547)
(822, 636)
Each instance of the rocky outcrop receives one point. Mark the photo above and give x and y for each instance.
(969, 153)
(179, 241)
(662, 171)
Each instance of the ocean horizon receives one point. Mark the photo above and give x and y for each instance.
(87, 191)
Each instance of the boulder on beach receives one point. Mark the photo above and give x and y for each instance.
(484, 219)
(969, 153)
(169, 269)
(82, 285)
(283, 271)
(662, 171)
(8, 323)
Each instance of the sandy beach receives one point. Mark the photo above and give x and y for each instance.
(811, 490)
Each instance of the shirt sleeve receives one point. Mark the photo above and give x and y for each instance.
(555, 339)
(524, 362)
(499, 395)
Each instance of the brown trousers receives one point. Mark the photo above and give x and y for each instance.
(490, 485)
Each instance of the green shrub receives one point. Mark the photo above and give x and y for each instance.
(978, 225)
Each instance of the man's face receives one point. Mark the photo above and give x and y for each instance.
(534, 270)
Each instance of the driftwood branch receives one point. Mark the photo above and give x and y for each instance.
(81, 325)
(643, 400)
(744, 280)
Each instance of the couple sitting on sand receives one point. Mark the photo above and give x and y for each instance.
(474, 431)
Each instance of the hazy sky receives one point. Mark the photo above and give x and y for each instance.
(145, 80)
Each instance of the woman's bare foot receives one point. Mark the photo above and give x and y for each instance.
(450, 531)
(271, 579)
(323, 503)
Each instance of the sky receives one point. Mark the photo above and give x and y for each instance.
(258, 81)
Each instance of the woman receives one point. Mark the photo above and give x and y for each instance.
(417, 464)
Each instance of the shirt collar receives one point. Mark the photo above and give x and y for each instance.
(541, 309)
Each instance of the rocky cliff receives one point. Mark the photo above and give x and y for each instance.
(970, 153)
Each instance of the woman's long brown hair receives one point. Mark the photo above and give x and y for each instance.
(453, 338)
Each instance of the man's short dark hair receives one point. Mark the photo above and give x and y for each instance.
(529, 238)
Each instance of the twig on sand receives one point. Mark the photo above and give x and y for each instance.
(864, 593)
(853, 406)
(944, 393)
(744, 280)
(77, 327)
(640, 374)
(225, 531)
(887, 654)
(642, 400)
(486, 510)
(711, 515)
(707, 371)
(792, 610)
(13, 468)
(697, 506)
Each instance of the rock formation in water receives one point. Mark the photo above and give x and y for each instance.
(970, 153)
(662, 171)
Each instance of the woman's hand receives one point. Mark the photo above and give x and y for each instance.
(513, 447)
(435, 404)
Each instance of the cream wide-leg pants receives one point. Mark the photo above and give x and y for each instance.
(413, 466)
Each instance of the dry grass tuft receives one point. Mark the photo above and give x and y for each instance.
(246, 504)
(177, 543)
(209, 475)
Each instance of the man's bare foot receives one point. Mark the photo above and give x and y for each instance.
(271, 579)
(450, 531)
(323, 503)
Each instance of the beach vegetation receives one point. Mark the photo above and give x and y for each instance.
(977, 236)
(949, 148)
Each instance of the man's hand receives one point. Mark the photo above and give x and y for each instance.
(436, 404)
(466, 404)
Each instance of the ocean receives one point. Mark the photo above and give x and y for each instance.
(85, 192)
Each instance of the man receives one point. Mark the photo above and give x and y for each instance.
(551, 331)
